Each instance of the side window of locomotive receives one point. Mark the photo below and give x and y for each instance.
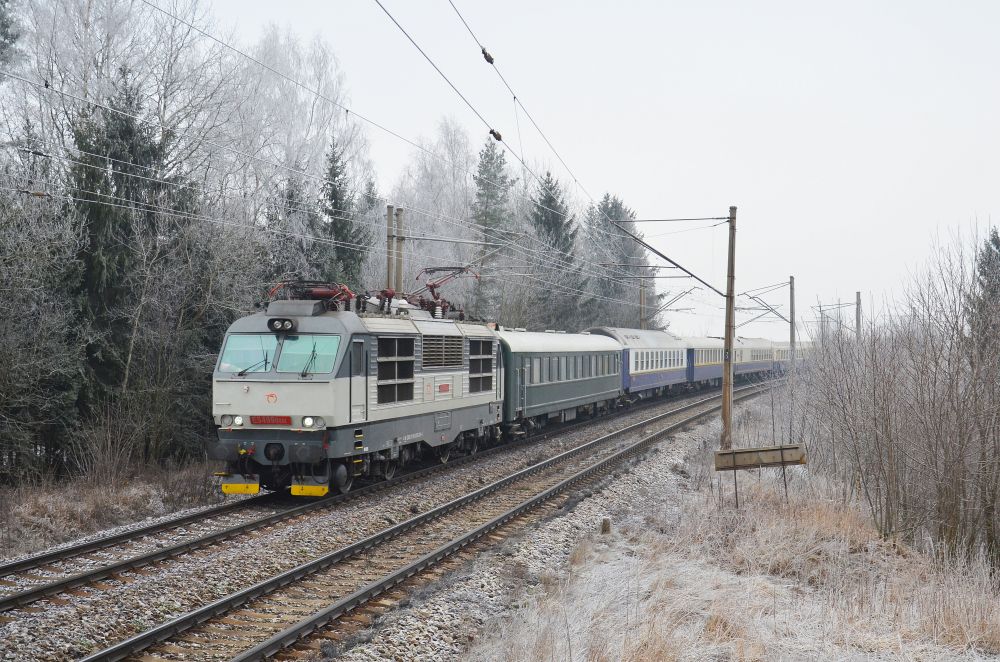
(480, 366)
(252, 352)
(395, 370)
(357, 359)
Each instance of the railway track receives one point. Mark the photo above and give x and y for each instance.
(27, 580)
(271, 616)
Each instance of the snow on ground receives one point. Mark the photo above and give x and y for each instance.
(680, 577)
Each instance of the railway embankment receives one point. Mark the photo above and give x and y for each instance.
(681, 576)
(45, 514)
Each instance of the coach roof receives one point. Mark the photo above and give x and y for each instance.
(641, 338)
(557, 343)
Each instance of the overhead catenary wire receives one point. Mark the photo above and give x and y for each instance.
(247, 155)
(317, 93)
(150, 208)
(491, 61)
(337, 104)
(517, 100)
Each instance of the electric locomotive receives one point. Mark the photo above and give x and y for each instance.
(308, 395)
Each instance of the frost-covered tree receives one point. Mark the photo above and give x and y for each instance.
(552, 217)
(8, 33)
(108, 195)
(491, 212)
(339, 221)
(603, 242)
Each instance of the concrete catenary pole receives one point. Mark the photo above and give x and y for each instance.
(857, 315)
(791, 319)
(726, 442)
(389, 249)
(399, 251)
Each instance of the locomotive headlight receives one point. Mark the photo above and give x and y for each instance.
(227, 420)
(237, 420)
(286, 325)
(307, 421)
(320, 423)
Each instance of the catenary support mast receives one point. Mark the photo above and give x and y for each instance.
(726, 442)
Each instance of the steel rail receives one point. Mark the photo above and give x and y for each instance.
(63, 553)
(21, 598)
(186, 621)
(28, 596)
(289, 636)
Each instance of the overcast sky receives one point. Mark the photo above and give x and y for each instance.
(849, 134)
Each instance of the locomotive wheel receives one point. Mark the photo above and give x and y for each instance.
(444, 453)
(342, 479)
(473, 446)
(390, 469)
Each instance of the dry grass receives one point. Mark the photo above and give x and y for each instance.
(810, 579)
(46, 514)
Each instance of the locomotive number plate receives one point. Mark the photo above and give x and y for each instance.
(271, 420)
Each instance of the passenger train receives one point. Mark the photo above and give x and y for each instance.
(308, 396)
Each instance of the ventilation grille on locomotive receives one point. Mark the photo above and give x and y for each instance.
(442, 351)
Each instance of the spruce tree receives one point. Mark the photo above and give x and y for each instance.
(340, 220)
(551, 217)
(559, 302)
(491, 212)
(8, 33)
(984, 303)
(112, 205)
(614, 246)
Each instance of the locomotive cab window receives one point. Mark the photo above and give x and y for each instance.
(308, 354)
(248, 352)
(395, 370)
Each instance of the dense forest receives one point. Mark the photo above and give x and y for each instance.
(154, 183)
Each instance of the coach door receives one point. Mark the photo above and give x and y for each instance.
(359, 382)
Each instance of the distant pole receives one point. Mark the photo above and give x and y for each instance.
(822, 326)
(857, 315)
(642, 304)
(389, 249)
(726, 442)
(399, 251)
(791, 356)
(791, 318)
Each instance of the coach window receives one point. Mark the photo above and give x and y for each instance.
(562, 368)
(395, 370)
(536, 371)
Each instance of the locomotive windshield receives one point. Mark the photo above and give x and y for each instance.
(248, 352)
(305, 354)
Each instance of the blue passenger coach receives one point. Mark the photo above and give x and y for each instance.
(654, 361)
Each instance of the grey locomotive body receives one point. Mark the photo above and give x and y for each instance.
(309, 398)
